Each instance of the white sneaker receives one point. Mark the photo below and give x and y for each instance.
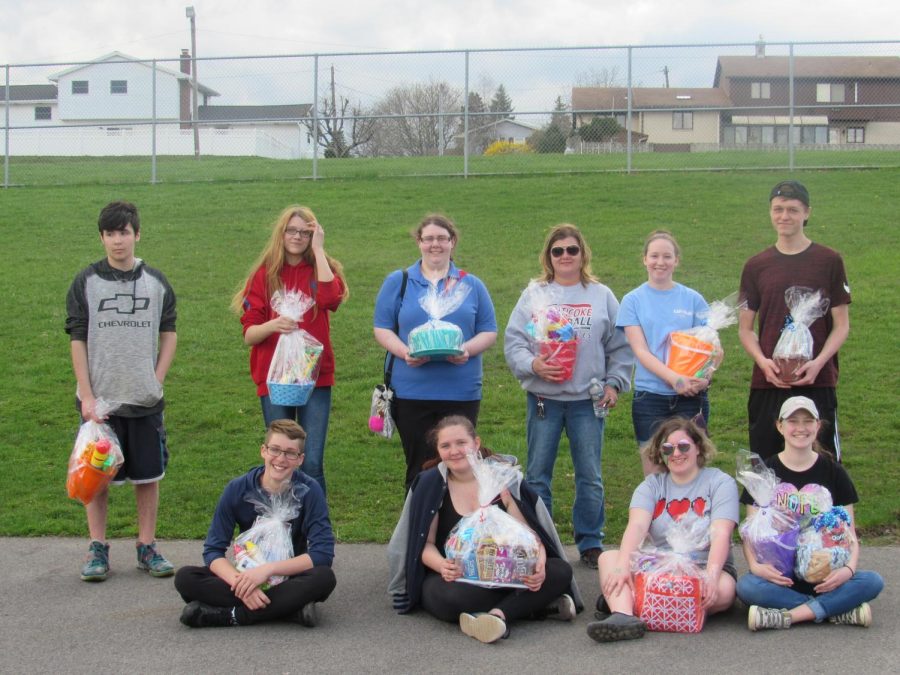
(485, 628)
(858, 616)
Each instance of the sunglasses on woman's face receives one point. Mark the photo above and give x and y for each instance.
(684, 447)
(557, 251)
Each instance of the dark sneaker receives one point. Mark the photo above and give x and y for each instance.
(589, 556)
(763, 618)
(486, 628)
(616, 626)
(858, 616)
(308, 615)
(96, 564)
(601, 609)
(148, 558)
(199, 615)
(562, 609)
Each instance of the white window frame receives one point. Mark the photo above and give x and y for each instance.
(81, 87)
(856, 134)
(683, 120)
(761, 90)
(118, 87)
(42, 116)
(830, 92)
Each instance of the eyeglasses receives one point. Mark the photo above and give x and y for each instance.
(442, 239)
(557, 251)
(290, 455)
(684, 447)
(292, 232)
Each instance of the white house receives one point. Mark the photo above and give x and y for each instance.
(120, 105)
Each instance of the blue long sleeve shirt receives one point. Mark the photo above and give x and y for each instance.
(310, 531)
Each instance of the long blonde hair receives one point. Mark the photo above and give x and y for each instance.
(564, 231)
(272, 258)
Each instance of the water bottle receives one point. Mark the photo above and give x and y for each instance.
(596, 392)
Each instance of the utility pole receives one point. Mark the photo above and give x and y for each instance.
(191, 14)
(666, 73)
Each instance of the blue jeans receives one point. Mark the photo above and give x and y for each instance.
(585, 433)
(313, 417)
(648, 410)
(862, 587)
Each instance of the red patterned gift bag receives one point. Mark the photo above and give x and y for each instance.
(669, 603)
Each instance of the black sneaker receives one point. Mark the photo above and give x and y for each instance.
(601, 609)
(308, 615)
(617, 626)
(200, 615)
(589, 556)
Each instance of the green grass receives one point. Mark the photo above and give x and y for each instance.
(205, 235)
(43, 171)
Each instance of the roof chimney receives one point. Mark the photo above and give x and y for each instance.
(186, 61)
(760, 48)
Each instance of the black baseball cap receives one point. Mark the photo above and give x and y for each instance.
(790, 189)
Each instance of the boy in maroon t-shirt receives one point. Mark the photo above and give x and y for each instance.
(794, 260)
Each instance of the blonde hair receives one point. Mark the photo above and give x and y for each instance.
(564, 231)
(272, 258)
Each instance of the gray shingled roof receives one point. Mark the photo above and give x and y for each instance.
(239, 113)
(833, 67)
(614, 98)
(29, 92)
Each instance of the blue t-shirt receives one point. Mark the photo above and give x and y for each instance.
(435, 380)
(658, 313)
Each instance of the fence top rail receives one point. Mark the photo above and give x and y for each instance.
(491, 50)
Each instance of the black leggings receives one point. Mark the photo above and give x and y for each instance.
(446, 600)
(200, 583)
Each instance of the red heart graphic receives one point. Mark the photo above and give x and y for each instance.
(699, 506)
(678, 507)
(660, 507)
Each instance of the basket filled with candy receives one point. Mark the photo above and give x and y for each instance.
(95, 459)
(437, 338)
(697, 351)
(552, 331)
(493, 548)
(771, 531)
(295, 364)
(668, 584)
(269, 538)
(824, 545)
(795, 345)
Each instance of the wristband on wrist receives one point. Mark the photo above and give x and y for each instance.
(852, 571)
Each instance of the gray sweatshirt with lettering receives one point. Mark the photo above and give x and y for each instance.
(119, 315)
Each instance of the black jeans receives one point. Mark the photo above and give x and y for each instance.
(415, 418)
(200, 583)
(446, 600)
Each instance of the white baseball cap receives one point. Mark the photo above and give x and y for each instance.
(795, 403)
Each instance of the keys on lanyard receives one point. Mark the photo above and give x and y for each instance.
(540, 407)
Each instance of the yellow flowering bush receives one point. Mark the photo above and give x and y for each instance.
(507, 148)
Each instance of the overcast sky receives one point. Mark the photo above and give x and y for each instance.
(39, 31)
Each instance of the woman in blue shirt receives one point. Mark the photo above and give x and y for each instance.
(427, 389)
(647, 315)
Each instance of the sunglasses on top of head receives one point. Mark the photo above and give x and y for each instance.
(557, 251)
(684, 447)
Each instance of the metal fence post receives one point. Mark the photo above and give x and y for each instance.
(466, 120)
(628, 118)
(6, 134)
(315, 115)
(791, 105)
(153, 131)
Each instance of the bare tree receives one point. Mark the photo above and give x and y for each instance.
(418, 120)
(342, 128)
(600, 77)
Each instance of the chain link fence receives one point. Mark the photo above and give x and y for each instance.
(633, 108)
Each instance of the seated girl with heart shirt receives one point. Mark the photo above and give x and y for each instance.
(814, 483)
(680, 450)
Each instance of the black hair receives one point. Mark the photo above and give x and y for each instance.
(117, 215)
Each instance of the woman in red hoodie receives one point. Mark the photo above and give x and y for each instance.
(294, 260)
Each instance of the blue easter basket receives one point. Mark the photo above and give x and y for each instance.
(294, 395)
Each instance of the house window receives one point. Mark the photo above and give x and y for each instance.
(682, 120)
(856, 135)
(42, 112)
(79, 86)
(118, 86)
(760, 90)
(829, 93)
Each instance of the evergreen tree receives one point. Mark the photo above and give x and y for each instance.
(501, 103)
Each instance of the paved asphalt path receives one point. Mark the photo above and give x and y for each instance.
(52, 622)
